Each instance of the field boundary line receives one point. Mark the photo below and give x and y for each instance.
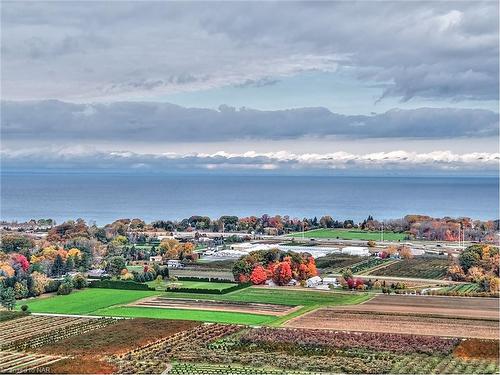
(74, 316)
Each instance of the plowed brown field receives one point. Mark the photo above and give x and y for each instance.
(437, 316)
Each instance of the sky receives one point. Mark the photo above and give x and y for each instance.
(266, 87)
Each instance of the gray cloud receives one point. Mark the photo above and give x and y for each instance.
(80, 50)
(163, 122)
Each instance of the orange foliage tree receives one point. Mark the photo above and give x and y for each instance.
(258, 275)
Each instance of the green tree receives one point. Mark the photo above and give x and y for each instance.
(115, 265)
(70, 264)
(58, 266)
(7, 297)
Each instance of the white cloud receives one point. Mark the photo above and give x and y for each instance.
(278, 161)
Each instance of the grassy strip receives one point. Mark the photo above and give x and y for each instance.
(87, 301)
(185, 314)
(350, 235)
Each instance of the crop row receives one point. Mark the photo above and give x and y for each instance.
(24, 328)
(367, 264)
(308, 339)
(57, 334)
(152, 358)
(232, 349)
(211, 369)
(19, 362)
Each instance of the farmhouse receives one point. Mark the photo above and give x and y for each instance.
(313, 281)
(356, 251)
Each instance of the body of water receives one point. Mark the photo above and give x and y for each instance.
(106, 197)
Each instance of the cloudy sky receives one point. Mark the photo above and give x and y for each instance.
(299, 87)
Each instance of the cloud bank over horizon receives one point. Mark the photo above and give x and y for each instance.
(281, 162)
(164, 122)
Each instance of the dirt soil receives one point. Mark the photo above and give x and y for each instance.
(478, 349)
(394, 323)
(463, 307)
(91, 349)
(240, 307)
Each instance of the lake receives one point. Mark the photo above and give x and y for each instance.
(105, 197)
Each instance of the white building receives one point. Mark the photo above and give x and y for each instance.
(417, 252)
(330, 281)
(356, 251)
(174, 263)
(156, 259)
(313, 281)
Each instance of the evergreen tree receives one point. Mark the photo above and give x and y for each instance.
(70, 264)
(58, 266)
(7, 297)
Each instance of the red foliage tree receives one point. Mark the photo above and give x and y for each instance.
(258, 275)
(282, 273)
(22, 261)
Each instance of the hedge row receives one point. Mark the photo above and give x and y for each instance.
(210, 291)
(119, 284)
(208, 279)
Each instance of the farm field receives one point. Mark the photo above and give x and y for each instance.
(91, 351)
(192, 284)
(346, 234)
(225, 274)
(460, 289)
(144, 346)
(31, 331)
(244, 307)
(238, 350)
(396, 323)
(112, 302)
(486, 308)
(87, 301)
(420, 268)
(16, 362)
(178, 314)
(309, 300)
(335, 262)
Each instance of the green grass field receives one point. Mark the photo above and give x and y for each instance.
(191, 284)
(346, 234)
(108, 302)
(184, 314)
(85, 302)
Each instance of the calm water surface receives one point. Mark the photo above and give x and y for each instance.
(106, 197)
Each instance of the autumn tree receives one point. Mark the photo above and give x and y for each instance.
(311, 267)
(282, 273)
(258, 275)
(456, 273)
(405, 252)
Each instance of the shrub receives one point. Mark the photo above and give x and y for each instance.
(120, 284)
(24, 308)
(64, 289)
(52, 286)
(79, 281)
